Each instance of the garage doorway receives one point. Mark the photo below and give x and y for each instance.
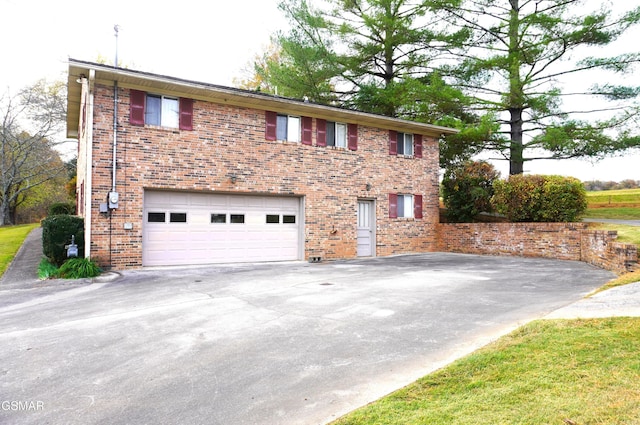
(181, 228)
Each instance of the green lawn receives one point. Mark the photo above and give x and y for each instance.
(11, 238)
(626, 234)
(547, 372)
(614, 196)
(623, 213)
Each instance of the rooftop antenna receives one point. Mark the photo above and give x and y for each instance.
(116, 27)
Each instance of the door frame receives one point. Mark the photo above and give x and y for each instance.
(372, 221)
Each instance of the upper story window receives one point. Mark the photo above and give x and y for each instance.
(405, 144)
(164, 111)
(288, 128)
(336, 134)
(330, 133)
(405, 206)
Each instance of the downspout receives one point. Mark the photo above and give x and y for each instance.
(89, 166)
(115, 135)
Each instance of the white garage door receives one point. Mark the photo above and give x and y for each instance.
(194, 228)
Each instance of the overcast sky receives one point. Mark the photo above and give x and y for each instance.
(208, 41)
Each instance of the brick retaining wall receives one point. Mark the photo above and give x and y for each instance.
(564, 241)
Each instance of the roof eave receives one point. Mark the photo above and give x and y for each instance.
(229, 96)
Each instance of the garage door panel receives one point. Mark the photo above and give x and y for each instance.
(198, 241)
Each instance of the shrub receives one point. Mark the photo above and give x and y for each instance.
(467, 190)
(62, 208)
(77, 268)
(536, 198)
(46, 270)
(56, 233)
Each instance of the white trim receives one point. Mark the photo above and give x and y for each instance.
(88, 182)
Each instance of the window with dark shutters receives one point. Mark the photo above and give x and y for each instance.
(186, 114)
(271, 119)
(352, 135)
(417, 145)
(393, 142)
(136, 107)
(417, 206)
(321, 132)
(307, 124)
(393, 205)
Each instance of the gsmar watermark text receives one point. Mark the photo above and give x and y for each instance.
(21, 405)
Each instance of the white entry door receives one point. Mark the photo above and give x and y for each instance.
(366, 227)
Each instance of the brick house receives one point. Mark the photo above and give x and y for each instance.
(196, 173)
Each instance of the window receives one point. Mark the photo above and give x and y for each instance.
(288, 128)
(156, 217)
(237, 218)
(159, 110)
(406, 144)
(289, 219)
(177, 217)
(273, 218)
(162, 111)
(405, 206)
(336, 134)
(218, 218)
(329, 133)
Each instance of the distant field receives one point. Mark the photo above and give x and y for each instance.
(599, 199)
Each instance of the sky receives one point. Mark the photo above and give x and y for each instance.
(208, 41)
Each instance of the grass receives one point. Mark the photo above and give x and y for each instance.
(622, 196)
(622, 213)
(626, 233)
(11, 238)
(547, 372)
(621, 280)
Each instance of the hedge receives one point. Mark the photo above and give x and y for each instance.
(56, 234)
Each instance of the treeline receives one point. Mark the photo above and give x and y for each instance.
(600, 185)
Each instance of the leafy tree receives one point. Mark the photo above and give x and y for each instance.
(467, 190)
(378, 56)
(29, 123)
(512, 65)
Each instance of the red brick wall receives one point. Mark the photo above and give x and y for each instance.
(599, 248)
(231, 140)
(565, 241)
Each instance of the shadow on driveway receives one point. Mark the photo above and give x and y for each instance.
(283, 343)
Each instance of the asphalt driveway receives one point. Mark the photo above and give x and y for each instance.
(284, 343)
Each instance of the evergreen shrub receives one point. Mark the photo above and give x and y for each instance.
(56, 234)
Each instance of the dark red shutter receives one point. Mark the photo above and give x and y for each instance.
(186, 113)
(136, 107)
(307, 124)
(352, 134)
(271, 119)
(393, 205)
(393, 142)
(417, 206)
(321, 132)
(417, 145)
